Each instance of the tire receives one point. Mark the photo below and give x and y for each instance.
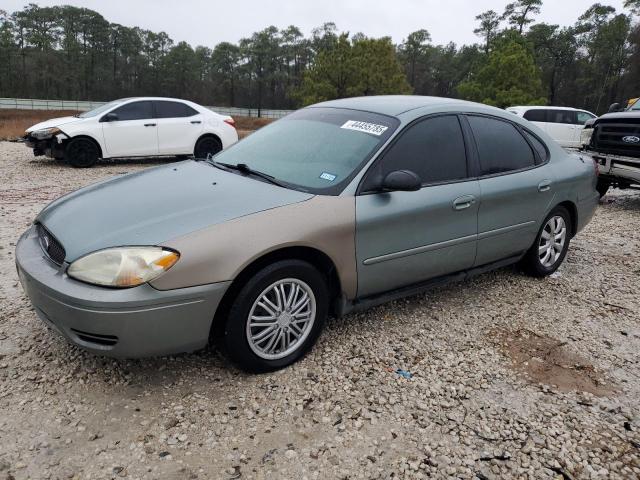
(602, 187)
(81, 152)
(541, 263)
(206, 146)
(271, 351)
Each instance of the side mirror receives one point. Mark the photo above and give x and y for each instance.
(615, 107)
(110, 117)
(401, 181)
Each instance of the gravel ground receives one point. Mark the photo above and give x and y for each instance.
(510, 377)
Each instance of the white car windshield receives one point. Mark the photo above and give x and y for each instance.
(635, 106)
(100, 109)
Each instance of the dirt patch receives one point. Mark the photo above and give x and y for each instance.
(551, 362)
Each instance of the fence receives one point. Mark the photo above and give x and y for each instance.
(38, 104)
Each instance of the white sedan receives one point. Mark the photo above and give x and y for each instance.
(563, 124)
(133, 127)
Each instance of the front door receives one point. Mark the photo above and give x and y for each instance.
(516, 188)
(133, 133)
(403, 238)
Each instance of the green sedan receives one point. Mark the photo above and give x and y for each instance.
(337, 207)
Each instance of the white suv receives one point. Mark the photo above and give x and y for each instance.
(563, 124)
(133, 127)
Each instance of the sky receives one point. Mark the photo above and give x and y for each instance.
(208, 22)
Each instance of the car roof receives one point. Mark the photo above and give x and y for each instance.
(128, 99)
(392, 104)
(546, 107)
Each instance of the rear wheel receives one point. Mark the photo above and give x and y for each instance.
(207, 146)
(603, 187)
(276, 317)
(81, 152)
(552, 242)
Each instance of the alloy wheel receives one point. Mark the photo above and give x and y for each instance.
(281, 319)
(552, 241)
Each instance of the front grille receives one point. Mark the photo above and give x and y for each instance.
(608, 138)
(96, 338)
(50, 245)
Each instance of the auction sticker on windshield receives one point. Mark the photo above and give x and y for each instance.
(365, 127)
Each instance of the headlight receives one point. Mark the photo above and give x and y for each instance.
(123, 266)
(45, 133)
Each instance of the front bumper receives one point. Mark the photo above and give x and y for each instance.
(50, 147)
(133, 322)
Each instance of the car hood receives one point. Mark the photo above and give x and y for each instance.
(54, 122)
(620, 117)
(157, 205)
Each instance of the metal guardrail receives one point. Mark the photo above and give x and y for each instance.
(40, 104)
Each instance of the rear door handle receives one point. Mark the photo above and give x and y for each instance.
(149, 124)
(544, 186)
(463, 202)
(195, 121)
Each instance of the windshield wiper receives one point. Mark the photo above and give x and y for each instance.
(246, 169)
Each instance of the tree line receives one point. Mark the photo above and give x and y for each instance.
(66, 52)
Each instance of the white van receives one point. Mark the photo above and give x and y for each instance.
(563, 124)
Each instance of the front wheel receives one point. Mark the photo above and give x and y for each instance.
(552, 242)
(276, 317)
(81, 152)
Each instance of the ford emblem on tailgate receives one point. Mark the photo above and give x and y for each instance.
(631, 139)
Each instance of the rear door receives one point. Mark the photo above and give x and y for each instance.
(179, 126)
(134, 133)
(403, 238)
(516, 187)
(562, 127)
(539, 117)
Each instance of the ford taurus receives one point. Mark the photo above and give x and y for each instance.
(337, 207)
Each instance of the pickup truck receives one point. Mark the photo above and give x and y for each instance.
(613, 140)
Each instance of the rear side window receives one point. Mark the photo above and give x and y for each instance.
(135, 111)
(165, 109)
(433, 148)
(538, 115)
(563, 116)
(501, 147)
(539, 147)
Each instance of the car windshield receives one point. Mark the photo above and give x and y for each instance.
(635, 106)
(317, 150)
(100, 109)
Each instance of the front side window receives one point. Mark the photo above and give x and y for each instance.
(636, 106)
(537, 115)
(135, 111)
(166, 109)
(433, 148)
(584, 117)
(500, 145)
(316, 149)
(98, 110)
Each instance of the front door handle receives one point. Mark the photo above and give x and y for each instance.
(195, 121)
(544, 186)
(463, 202)
(149, 124)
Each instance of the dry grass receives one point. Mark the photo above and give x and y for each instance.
(13, 123)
